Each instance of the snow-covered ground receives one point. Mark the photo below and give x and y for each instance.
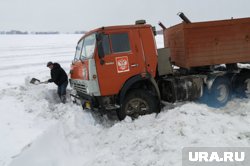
(37, 130)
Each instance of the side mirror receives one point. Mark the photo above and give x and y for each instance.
(99, 37)
(154, 31)
(102, 62)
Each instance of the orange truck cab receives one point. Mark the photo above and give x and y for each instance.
(119, 68)
(112, 61)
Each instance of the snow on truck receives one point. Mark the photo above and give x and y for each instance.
(119, 68)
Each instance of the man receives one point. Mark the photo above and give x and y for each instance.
(60, 78)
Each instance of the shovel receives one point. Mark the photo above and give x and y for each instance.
(37, 81)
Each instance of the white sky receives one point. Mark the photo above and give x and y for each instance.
(71, 15)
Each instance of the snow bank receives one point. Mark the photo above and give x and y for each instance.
(77, 138)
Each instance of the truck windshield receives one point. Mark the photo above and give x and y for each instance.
(86, 47)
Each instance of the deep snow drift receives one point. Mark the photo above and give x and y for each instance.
(36, 129)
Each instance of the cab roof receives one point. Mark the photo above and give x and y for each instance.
(102, 29)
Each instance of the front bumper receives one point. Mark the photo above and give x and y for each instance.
(87, 102)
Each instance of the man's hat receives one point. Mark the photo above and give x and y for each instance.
(49, 63)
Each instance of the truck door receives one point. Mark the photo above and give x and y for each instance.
(120, 61)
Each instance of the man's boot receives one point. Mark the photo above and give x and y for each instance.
(63, 99)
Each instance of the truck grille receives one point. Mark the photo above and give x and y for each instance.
(79, 87)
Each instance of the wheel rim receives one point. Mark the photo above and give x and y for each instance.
(247, 90)
(136, 107)
(222, 93)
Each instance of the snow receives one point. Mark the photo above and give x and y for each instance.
(36, 129)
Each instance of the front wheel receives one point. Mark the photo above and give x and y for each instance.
(138, 102)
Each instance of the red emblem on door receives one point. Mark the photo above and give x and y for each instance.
(122, 64)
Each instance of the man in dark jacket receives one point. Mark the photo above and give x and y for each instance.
(60, 78)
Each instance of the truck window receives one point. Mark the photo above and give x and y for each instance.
(88, 47)
(120, 42)
(78, 50)
(106, 45)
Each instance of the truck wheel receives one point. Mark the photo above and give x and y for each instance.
(138, 102)
(242, 85)
(220, 92)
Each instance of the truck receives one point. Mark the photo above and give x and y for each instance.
(119, 68)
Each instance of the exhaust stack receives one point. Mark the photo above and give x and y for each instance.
(162, 26)
(183, 17)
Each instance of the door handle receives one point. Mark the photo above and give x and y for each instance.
(135, 65)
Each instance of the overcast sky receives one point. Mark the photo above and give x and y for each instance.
(71, 15)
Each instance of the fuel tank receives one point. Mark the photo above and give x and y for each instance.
(183, 88)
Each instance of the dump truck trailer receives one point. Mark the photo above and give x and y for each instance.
(209, 43)
(119, 68)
